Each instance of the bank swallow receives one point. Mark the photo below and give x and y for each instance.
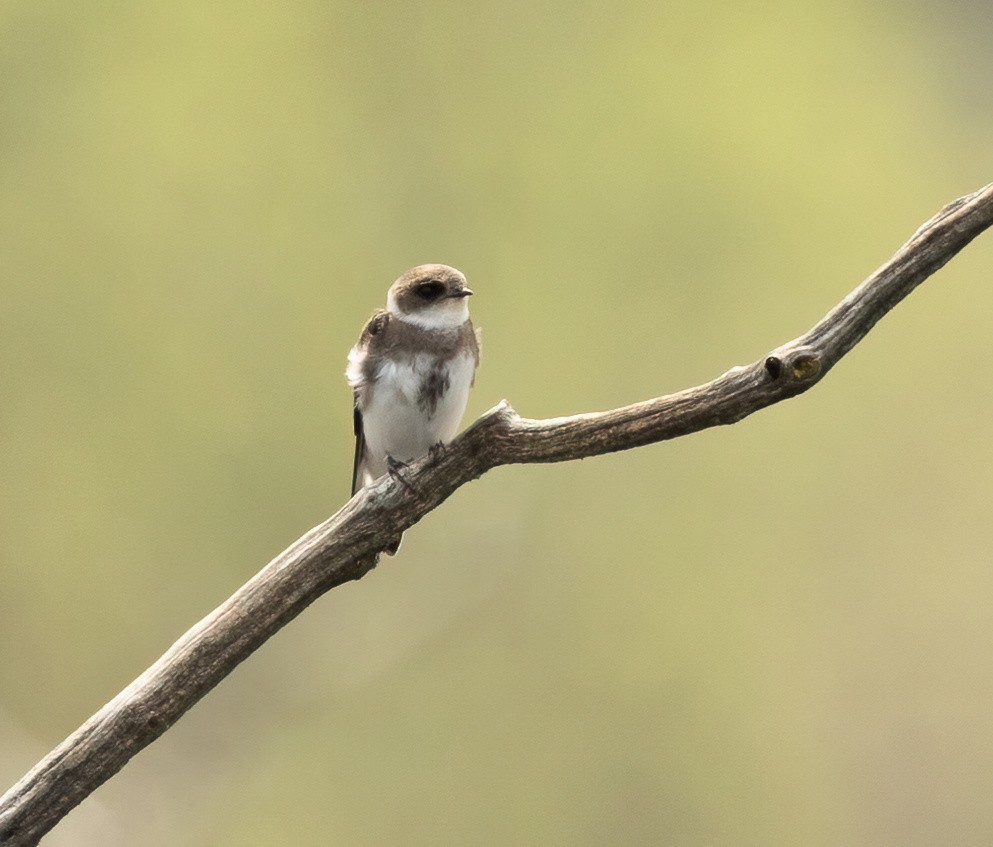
(411, 371)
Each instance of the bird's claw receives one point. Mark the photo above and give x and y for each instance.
(395, 468)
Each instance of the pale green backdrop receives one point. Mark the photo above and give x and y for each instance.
(778, 633)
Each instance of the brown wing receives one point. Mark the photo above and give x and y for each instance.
(377, 323)
(359, 447)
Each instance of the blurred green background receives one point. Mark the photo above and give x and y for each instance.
(776, 633)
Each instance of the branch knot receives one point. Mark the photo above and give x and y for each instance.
(801, 367)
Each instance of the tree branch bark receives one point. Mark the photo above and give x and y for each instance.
(344, 547)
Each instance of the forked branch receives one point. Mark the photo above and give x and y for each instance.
(344, 547)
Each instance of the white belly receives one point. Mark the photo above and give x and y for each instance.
(397, 424)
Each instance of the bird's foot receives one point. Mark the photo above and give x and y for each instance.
(436, 451)
(395, 468)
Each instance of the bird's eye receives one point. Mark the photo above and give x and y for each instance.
(431, 290)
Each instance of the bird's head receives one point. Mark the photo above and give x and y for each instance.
(430, 296)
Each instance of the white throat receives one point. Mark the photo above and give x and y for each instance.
(447, 314)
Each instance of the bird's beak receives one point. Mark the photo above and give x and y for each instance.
(462, 292)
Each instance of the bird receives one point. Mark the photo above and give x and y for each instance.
(410, 373)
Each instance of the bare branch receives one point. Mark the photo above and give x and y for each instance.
(344, 547)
